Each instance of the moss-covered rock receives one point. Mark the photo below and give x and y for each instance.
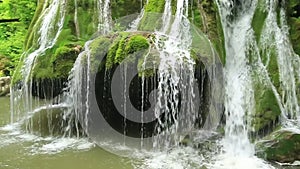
(5, 85)
(267, 111)
(293, 10)
(121, 8)
(205, 16)
(259, 18)
(281, 146)
(130, 47)
(56, 64)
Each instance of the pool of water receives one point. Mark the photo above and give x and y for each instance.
(19, 150)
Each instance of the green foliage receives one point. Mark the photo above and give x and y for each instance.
(12, 35)
(155, 6)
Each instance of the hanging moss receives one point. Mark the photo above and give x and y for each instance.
(56, 63)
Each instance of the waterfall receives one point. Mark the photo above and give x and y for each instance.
(243, 59)
(239, 96)
(77, 92)
(175, 95)
(48, 32)
(104, 16)
(239, 90)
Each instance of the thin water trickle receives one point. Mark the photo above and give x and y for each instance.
(104, 16)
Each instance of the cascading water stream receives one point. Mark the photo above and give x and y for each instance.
(175, 76)
(239, 91)
(22, 100)
(104, 16)
(77, 92)
(238, 84)
(275, 34)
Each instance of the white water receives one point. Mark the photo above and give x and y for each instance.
(239, 92)
(175, 78)
(239, 98)
(239, 152)
(104, 16)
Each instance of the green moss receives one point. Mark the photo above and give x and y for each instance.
(126, 46)
(293, 14)
(136, 43)
(295, 33)
(155, 6)
(211, 25)
(56, 63)
(267, 108)
(31, 32)
(120, 52)
(258, 20)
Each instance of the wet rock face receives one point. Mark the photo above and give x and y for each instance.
(5, 86)
(282, 146)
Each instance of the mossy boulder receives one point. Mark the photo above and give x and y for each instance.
(128, 47)
(281, 146)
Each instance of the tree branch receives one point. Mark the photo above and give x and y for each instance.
(9, 20)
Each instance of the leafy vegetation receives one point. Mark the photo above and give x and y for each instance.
(12, 34)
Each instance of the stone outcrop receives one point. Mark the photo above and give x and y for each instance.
(5, 86)
(281, 146)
